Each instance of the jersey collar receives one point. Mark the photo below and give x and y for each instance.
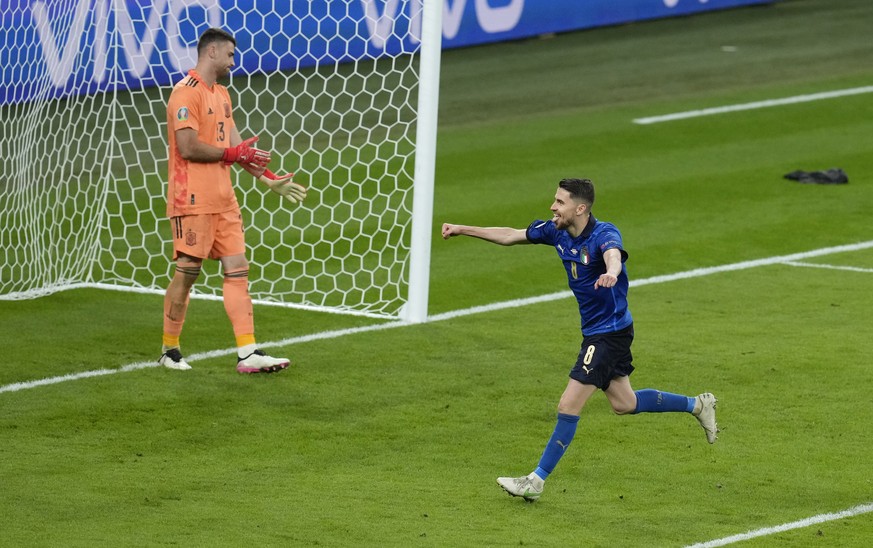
(196, 75)
(586, 232)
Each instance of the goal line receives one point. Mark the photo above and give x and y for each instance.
(514, 303)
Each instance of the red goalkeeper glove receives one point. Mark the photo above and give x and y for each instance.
(244, 153)
(284, 186)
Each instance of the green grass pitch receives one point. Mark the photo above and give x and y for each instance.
(394, 437)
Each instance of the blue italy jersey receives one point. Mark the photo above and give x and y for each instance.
(603, 310)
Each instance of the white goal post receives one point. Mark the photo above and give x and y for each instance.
(344, 93)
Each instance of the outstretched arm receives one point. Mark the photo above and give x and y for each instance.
(612, 258)
(497, 235)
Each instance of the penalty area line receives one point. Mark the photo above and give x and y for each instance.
(799, 524)
(503, 305)
(754, 105)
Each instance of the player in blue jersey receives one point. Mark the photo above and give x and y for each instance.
(594, 259)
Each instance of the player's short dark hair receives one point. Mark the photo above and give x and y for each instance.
(579, 189)
(211, 36)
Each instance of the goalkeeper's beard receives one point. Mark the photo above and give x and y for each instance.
(223, 75)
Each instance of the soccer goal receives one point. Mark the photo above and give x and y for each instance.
(344, 93)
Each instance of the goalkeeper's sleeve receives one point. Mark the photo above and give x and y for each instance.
(284, 186)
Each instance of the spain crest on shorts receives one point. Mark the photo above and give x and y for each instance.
(190, 238)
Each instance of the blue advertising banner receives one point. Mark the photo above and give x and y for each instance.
(55, 48)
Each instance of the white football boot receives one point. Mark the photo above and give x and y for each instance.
(528, 487)
(258, 362)
(706, 416)
(172, 359)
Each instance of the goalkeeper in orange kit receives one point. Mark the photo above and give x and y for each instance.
(204, 214)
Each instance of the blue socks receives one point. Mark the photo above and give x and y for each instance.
(655, 401)
(648, 401)
(558, 443)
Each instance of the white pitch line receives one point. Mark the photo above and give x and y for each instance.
(751, 106)
(515, 303)
(18, 386)
(799, 524)
(830, 266)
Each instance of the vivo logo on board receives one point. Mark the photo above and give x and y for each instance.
(137, 50)
(385, 22)
(491, 20)
(380, 17)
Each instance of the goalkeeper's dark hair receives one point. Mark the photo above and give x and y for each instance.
(579, 189)
(211, 36)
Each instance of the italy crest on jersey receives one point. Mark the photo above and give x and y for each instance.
(182, 114)
(584, 256)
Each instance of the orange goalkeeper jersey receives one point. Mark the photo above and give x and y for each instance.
(196, 187)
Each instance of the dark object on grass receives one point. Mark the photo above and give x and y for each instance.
(833, 176)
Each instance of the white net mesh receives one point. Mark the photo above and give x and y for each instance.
(83, 187)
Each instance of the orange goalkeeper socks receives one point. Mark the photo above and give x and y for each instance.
(238, 303)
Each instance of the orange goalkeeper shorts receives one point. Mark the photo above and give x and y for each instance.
(212, 235)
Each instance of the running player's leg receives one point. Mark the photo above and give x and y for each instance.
(625, 400)
(570, 406)
(621, 396)
(585, 379)
(591, 372)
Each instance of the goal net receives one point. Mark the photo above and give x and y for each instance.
(331, 87)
